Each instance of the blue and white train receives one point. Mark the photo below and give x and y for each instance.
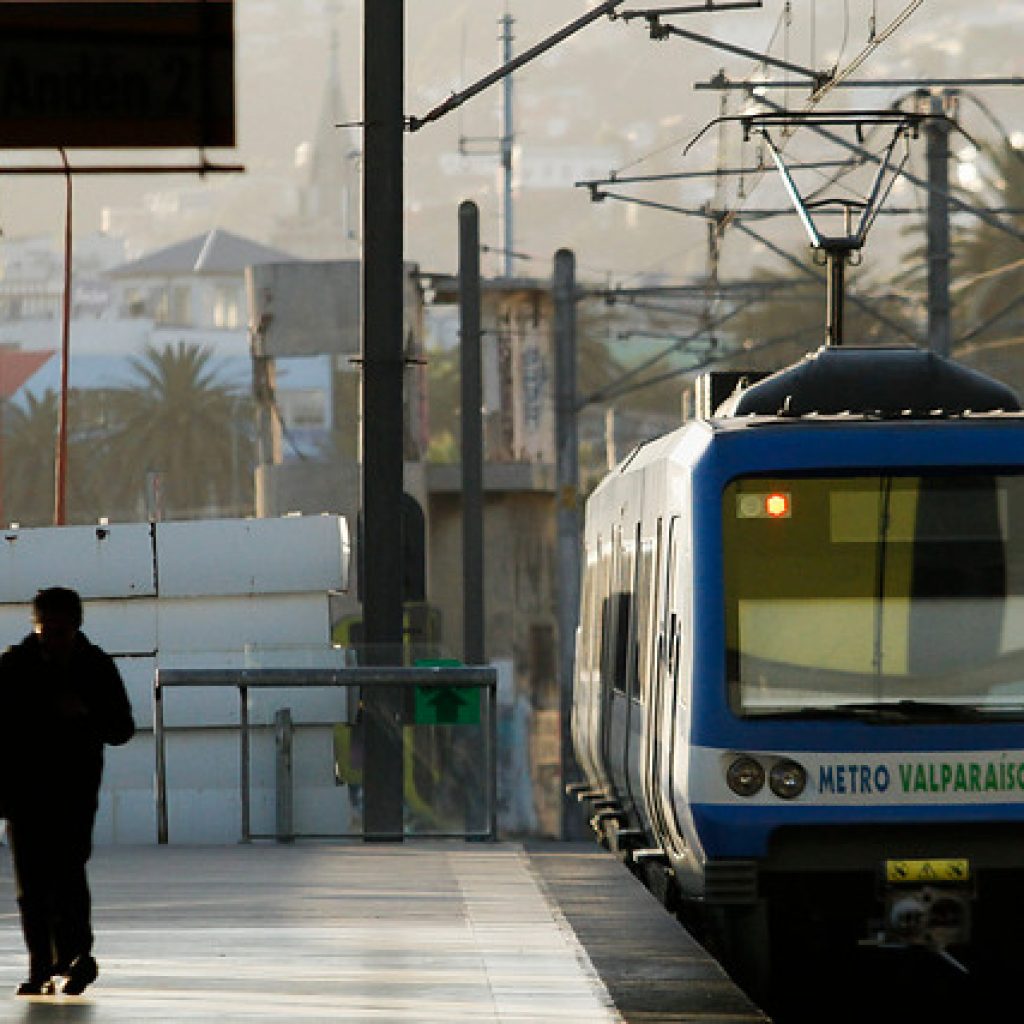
(799, 692)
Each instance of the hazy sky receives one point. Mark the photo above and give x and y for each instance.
(609, 94)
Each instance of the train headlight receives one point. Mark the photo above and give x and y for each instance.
(787, 779)
(745, 776)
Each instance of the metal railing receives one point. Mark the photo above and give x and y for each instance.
(442, 679)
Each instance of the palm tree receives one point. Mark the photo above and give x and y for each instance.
(987, 271)
(990, 262)
(28, 460)
(29, 446)
(178, 420)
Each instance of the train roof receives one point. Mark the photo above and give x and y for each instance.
(840, 387)
(901, 382)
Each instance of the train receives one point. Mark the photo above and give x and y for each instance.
(798, 695)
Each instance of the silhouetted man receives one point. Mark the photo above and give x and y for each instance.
(61, 700)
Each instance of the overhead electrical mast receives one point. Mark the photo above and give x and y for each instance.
(505, 150)
(506, 147)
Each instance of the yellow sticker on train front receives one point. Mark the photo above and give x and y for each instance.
(927, 870)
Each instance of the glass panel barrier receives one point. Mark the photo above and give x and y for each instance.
(299, 731)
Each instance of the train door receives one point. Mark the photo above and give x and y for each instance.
(597, 709)
(674, 715)
(661, 718)
(647, 686)
(639, 682)
(584, 683)
(618, 668)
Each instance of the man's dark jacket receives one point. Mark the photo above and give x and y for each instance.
(54, 722)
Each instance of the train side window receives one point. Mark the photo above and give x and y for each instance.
(590, 631)
(600, 615)
(615, 612)
(673, 646)
(644, 602)
(607, 627)
(620, 647)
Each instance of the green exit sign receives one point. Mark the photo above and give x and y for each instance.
(447, 705)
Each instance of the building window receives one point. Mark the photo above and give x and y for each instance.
(227, 307)
(173, 307)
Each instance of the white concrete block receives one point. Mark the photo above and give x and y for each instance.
(126, 817)
(205, 625)
(113, 561)
(132, 766)
(292, 554)
(138, 674)
(204, 796)
(119, 627)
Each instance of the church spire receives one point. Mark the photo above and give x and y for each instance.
(327, 220)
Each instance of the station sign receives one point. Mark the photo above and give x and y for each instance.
(100, 74)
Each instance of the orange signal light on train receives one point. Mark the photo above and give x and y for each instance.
(777, 505)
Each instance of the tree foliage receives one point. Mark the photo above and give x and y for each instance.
(174, 418)
(177, 420)
(989, 263)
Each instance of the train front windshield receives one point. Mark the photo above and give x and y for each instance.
(876, 595)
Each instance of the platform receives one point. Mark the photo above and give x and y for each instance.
(436, 932)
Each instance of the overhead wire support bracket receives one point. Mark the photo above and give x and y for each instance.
(661, 31)
(709, 7)
(718, 172)
(721, 83)
(456, 100)
(720, 216)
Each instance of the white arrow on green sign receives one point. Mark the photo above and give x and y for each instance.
(446, 705)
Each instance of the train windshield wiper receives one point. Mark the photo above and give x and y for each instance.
(896, 711)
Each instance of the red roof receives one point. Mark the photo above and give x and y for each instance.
(17, 366)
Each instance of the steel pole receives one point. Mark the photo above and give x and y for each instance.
(383, 408)
(60, 517)
(507, 141)
(160, 742)
(937, 146)
(567, 483)
(244, 763)
(835, 294)
(472, 436)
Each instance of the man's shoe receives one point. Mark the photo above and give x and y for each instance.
(82, 973)
(37, 987)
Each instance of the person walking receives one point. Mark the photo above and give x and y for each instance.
(61, 700)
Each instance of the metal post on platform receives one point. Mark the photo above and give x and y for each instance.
(472, 436)
(160, 739)
(492, 765)
(284, 732)
(243, 748)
